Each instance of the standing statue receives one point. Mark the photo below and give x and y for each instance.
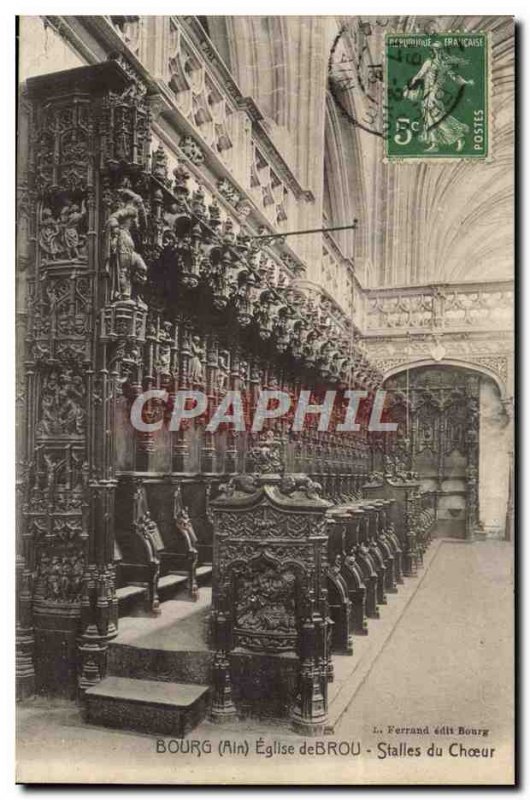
(223, 370)
(70, 219)
(196, 374)
(127, 267)
(48, 233)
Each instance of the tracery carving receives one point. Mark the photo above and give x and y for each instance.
(63, 148)
(439, 307)
(125, 122)
(192, 150)
(266, 521)
(455, 427)
(266, 454)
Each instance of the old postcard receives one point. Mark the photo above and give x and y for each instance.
(265, 318)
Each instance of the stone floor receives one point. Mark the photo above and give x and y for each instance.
(446, 665)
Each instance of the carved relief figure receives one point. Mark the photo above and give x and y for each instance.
(266, 601)
(72, 398)
(61, 577)
(47, 421)
(62, 403)
(61, 236)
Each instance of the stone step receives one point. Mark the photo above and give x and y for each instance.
(174, 585)
(147, 706)
(171, 585)
(203, 573)
(171, 647)
(160, 664)
(130, 598)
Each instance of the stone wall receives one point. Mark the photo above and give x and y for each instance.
(495, 444)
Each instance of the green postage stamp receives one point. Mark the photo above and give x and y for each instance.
(437, 103)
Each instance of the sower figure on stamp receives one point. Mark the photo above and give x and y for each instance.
(438, 126)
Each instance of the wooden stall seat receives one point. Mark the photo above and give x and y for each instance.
(137, 562)
(145, 557)
(339, 609)
(358, 554)
(357, 591)
(384, 546)
(402, 514)
(340, 543)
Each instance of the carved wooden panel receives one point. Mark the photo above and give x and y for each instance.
(443, 422)
(269, 582)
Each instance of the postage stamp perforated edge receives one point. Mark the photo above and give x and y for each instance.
(439, 158)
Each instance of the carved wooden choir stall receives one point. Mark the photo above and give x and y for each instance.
(139, 278)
